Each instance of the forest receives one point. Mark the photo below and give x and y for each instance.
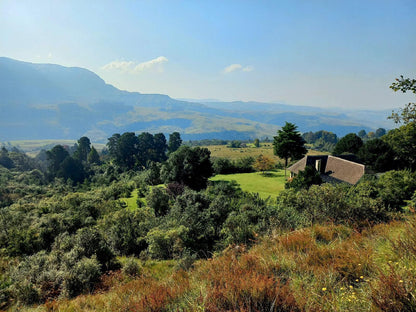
(69, 240)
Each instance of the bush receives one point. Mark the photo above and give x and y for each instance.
(166, 243)
(82, 277)
(131, 267)
(395, 187)
(158, 200)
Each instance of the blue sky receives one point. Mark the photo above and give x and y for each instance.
(321, 53)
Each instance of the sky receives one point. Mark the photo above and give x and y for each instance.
(326, 53)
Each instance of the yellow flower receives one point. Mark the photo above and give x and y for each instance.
(361, 277)
(323, 288)
(351, 287)
(356, 280)
(401, 281)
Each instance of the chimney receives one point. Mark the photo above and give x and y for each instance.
(318, 165)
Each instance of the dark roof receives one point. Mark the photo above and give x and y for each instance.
(332, 169)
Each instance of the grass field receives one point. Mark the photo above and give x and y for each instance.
(265, 149)
(131, 201)
(266, 185)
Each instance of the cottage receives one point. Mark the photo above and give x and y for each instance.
(332, 169)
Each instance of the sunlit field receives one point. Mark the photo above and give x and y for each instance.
(269, 184)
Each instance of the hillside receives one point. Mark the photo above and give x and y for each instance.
(39, 101)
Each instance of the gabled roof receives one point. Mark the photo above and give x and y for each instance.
(332, 169)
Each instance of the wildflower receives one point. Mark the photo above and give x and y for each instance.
(356, 280)
(351, 287)
(401, 281)
(323, 288)
(342, 288)
(361, 277)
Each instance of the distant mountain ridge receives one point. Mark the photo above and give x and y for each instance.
(42, 101)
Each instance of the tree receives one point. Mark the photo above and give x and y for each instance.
(380, 132)
(124, 149)
(73, 169)
(256, 143)
(188, 166)
(55, 157)
(83, 149)
(403, 142)
(146, 149)
(350, 143)
(408, 113)
(362, 134)
(160, 146)
(378, 155)
(305, 179)
(175, 142)
(289, 144)
(5, 160)
(93, 157)
(263, 164)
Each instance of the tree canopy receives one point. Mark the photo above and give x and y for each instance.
(351, 143)
(188, 166)
(408, 113)
(175, 142)
(289, 143)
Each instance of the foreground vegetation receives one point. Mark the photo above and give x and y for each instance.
(339, 268)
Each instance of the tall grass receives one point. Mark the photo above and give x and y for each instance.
(320, 268)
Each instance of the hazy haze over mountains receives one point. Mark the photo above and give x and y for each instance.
(44, 101)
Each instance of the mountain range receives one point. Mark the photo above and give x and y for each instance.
(47, 101)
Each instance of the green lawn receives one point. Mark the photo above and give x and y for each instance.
(131, 201)
(266, 185)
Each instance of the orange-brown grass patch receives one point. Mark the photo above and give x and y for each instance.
(237, 282)
(394, 291)
(330, 232)
(142, 294)
(297, 241)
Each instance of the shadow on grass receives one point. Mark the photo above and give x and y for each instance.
(271, 174)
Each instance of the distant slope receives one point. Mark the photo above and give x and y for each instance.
(39, 101)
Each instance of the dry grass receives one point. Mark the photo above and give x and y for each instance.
(265, 149)
(321, 268)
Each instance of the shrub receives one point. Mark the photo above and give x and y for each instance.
(395, 187)
(131, 267)
(166, 244)
(158, 200)
(82, 277)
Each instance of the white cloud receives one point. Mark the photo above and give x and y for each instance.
(133, 68)
(231, 68)
(237, 67)
(248, 68)
(150, 64)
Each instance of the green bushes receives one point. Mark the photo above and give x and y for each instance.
(74, 265)
(226, 166)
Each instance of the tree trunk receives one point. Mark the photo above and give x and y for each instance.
(285, 166)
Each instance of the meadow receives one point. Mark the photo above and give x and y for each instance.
(266, 185)
(265, 149)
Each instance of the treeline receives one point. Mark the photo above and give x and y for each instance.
(326, 141)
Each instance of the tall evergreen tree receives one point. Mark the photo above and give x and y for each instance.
(174, 142)
(351, 143)
(93, 157)
(83, 149)
(289, 144)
